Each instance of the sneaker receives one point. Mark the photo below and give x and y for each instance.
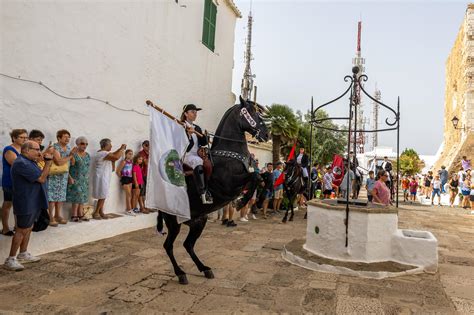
(225, 221)
(136, 210)
(11, 263)
(247, 217)
(130, 213)
(254, 217)
(26, 257)
(243, 219)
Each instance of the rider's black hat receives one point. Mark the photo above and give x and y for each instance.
(190, 107)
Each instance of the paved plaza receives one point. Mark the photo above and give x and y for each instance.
(131, 273)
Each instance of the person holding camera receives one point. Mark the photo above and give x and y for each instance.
(30, 197)
(103, 168)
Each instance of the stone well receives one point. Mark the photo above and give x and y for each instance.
(376, 247)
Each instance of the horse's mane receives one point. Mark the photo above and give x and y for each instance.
(223, 119)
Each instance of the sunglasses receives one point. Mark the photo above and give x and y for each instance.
(84, 143)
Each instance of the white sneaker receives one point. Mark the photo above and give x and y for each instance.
(247, 216)
(254, 217)
(27, 258)
(243, 220)
(11, 263)
(130, 213)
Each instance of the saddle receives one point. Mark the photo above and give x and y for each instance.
(206, 163)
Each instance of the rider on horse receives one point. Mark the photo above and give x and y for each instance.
(192, 157)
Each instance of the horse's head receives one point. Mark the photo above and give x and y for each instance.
(252, 121)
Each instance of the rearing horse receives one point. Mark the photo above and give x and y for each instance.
(230, 174)
(292, 185)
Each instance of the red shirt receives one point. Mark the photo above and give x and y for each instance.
(137, 170)
(145, 156)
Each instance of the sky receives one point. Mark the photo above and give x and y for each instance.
(305, 48)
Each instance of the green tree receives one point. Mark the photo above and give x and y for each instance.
(325, 143)
(283, 127)
(410, 162)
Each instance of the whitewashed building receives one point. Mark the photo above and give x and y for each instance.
(172, 52)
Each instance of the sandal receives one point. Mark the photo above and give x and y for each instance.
(83, 218)
(53, 223)
(103, 216)
(60, 220)
(96, 217)
(75, 219)
(9, 233)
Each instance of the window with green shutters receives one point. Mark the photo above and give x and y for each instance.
(209, 26)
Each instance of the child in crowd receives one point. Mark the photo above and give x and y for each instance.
(137, 185)
(405, 187)
(369, 185)
(413, 188)
(124, 171)
(278, 198)
(436, 186)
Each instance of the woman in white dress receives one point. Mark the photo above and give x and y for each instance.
(103, 168)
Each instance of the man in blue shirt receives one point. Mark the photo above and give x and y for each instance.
(30, 196)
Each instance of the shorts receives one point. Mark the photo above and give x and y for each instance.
(405, 191)
(7, 194)
(143, 189)
(268, 194)
(436, 191)
(327, 192)
(279, 194)
(465, 192)
(126, 180)
(413, 193)
(25, 221)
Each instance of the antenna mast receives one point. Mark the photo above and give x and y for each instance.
(247, 81)
(375, 118)
(359, 62)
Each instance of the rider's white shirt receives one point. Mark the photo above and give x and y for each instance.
(192, 158)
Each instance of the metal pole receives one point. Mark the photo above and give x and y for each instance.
(355, 104)
(346, 221)
(398, 145)
(310, 196)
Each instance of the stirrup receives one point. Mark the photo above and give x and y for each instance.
(206, 199)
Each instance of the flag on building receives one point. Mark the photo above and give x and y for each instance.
(337, 169)
(166, 186)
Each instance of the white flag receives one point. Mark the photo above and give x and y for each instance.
(166, 186)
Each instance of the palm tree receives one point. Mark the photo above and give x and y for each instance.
(283, 127)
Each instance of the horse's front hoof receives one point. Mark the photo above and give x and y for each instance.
(284, 220)
(291, 219)
(183, 279)
(208, 274)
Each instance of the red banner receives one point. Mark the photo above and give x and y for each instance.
(337, 169)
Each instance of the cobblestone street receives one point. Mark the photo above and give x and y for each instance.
(131, 273)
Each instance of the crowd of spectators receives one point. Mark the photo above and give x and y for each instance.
(38, 178)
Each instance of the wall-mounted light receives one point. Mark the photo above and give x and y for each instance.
(455, 122)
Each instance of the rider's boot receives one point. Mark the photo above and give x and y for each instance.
(200, 180)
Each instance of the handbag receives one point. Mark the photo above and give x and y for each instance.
(58, 169)
(42, 222)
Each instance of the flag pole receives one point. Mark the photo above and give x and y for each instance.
(161, 110)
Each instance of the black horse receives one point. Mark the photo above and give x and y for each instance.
(293, 185)
(230, 174)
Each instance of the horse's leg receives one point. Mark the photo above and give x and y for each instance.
(195, 230)
(173, 230)
(285, 218)
(292, 210)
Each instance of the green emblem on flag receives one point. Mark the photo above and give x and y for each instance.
(171, 168)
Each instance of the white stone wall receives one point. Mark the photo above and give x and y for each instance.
(121, 51)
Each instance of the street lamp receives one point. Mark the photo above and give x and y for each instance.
(455, 122)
